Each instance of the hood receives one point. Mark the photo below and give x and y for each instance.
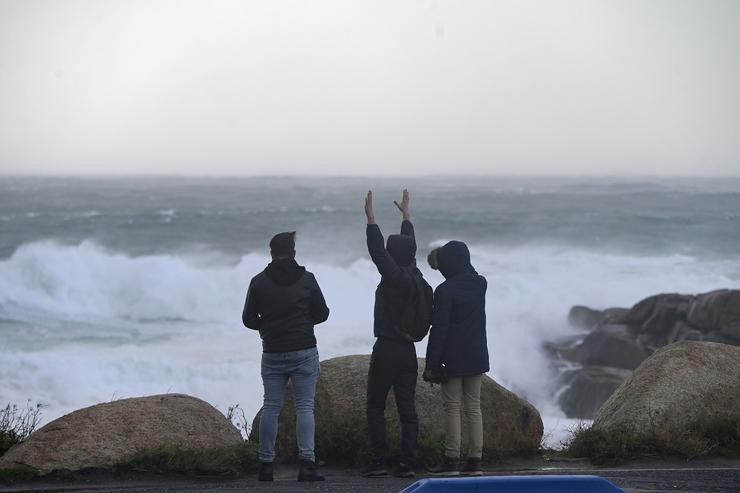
(453, 258)
(402, 248)
(284, 271)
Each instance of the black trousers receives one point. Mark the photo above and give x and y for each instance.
(393, 364)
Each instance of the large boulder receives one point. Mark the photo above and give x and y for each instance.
(511, 425)
(686, 385)
(588, 388)
(107, 434)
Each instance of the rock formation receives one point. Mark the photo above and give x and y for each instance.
(108, 434)
(621, 339)
(511, 425)
(683, 386)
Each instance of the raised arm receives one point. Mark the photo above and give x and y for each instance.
(376, 243)
(406, 227)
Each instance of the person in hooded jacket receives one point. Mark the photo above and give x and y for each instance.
(393, 361)
(283, 303)
(457, 353)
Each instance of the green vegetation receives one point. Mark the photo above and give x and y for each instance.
(720, 438)
(229, 461)
(16, 423)
(19, 473)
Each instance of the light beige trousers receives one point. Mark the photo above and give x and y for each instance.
(461, 397)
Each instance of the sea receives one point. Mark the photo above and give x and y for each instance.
(121, 287)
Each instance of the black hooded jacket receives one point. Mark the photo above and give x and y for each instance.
(396, 263)
(283, 303)
(457, 338)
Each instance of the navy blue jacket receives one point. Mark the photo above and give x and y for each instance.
(457, 338)
(395, 262)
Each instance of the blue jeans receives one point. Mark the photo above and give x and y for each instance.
(302, 368)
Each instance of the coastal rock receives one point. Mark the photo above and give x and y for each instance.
(717, 311)
(511, 426)
(624, 338)
(683, 385)
(108, 434)
(609, 345)
(583, 317)
(588, 388)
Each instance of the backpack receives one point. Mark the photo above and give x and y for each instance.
(416, 315)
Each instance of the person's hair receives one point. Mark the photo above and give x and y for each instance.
(283, 245)
(432, 259)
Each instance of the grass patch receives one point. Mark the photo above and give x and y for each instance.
(346, 442)
(720, 438)
(228, 461)
(18, 473)
(16, 423)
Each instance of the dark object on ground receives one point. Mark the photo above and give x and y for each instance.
(513, 426)
(266, 472)
(374, 469)
(472, 467)
(404, 470)
(449, 467)
(112, 433)
(308, 472)
(622, 339)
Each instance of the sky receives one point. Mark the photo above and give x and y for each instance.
(386, 88)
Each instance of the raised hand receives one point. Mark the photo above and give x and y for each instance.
(404, 205)
(369, 207)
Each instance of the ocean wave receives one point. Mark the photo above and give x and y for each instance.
(183, 314)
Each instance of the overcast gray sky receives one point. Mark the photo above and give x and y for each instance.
(391, 88)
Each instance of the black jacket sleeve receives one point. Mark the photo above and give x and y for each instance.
(250, 314)
(407, 229)
(440, 328)
(319, 310)
(387, 267)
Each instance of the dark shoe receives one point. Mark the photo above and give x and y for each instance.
(472, 467)
(375, 469)
(265, 473)
(308, 471)
(404, 470)
(449, 467)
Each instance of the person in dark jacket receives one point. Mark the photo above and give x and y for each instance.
(283, 303)
(393, 361)
(457, 352)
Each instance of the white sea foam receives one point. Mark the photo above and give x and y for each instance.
(177, 318)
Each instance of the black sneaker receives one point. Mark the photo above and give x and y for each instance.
(449, 467)
(404, 470)
(265, 473)
(472, 467)
(375, 469)
(308, 471)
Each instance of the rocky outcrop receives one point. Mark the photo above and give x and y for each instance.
(511, 425)
(624, 338)
(587, 388)
(684, 386)
(107, 434)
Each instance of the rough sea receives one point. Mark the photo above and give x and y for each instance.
(122, 287)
